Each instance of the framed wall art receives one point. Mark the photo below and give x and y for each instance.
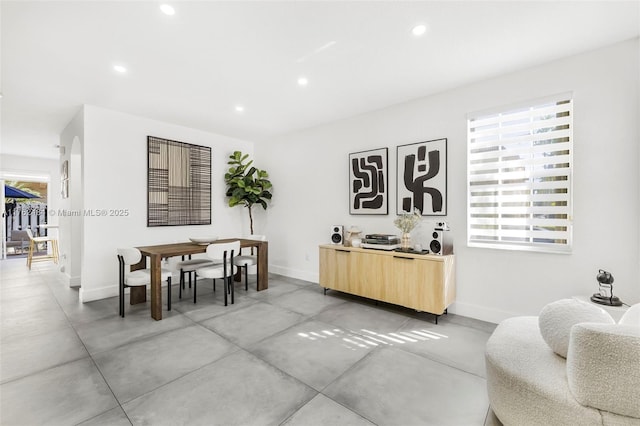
(64, 179)
(422, 178)
(368, 183)
(178, 183)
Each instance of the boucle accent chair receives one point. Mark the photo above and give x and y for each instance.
(597, 384)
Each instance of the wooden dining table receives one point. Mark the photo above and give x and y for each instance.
(156, 253)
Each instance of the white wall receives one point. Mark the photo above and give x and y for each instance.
(115, 178)
(309, 170)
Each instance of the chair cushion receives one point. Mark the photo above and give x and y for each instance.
(245, 260)
(557, 318)
(193, 264)
(216, 271)
(143, 277)
(136, 278)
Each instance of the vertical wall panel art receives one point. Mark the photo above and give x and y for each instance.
(422, 178)
(368, 193)
(178, 183)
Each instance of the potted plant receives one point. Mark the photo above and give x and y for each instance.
(246, 185)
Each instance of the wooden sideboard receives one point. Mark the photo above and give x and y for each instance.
(423, 282)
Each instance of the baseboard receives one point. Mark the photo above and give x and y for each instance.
(74, 281)
(482, 313)
(91, 294)
(313, 277)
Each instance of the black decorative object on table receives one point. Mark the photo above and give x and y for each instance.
(605, 295)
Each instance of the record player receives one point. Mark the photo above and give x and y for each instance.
(381, 241)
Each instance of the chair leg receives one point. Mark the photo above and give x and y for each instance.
(246, 277)
(122, 300)
(233, 291)
(226, 289)
(30, 255)
(181, 278)
(195, 290)
(168, 293)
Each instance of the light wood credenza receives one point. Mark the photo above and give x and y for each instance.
(423, 282)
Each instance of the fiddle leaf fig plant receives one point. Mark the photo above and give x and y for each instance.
(246, 184)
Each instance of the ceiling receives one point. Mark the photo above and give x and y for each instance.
(195, 67)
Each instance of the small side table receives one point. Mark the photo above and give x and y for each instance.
(616, 312)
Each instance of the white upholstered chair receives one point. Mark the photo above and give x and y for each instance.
(141, 277)
(249, 262)
(189, 266)
(222, 254)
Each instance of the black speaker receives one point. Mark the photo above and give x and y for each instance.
(337, 236)
(441, 242)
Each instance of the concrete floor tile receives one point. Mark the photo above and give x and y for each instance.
(113, 417)
(249, 325)
(239, 389)
(109, 333)
(394, 387)
(142, 366)
(275, 290)
(313, 352)
(306, 302)
(451, 344)
(64, 395)
(322, 411)
(23, 356)
(361, 318)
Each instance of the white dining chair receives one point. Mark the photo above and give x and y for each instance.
(141, 277)
(222, 255)
(249, 262)
(189, 266)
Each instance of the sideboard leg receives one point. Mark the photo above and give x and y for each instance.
(437, 319)
(325, 291)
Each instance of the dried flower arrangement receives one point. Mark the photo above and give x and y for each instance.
(406, 222)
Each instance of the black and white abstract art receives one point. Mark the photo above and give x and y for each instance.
(422, 178)
(368, 189)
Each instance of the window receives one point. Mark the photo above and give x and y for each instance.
(519, 177)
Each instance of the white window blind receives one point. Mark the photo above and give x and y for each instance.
(519, 177)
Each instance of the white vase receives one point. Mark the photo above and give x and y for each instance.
(405, 241)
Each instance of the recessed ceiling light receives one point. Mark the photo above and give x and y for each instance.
(120, 68)
(419, 30)
(303, 81)
(239, 108)
(167, 9)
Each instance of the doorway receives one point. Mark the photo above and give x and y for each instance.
(24, 206)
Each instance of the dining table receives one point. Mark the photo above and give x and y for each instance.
(156, 253)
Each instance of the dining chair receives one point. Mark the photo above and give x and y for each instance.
(222, 255)
(141, 277)
(33, 247)
(189, 266)
(249, 262)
